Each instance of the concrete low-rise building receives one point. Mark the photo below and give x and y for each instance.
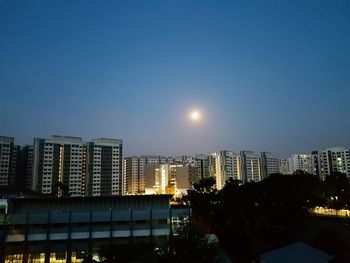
(67, 229)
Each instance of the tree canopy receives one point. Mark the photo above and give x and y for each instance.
(256, 216)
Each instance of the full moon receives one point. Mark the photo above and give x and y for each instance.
(195, 115)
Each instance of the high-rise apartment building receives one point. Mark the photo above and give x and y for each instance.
(315, 163)
(105, 167)
(180, 178)
(319, 163)
(135, 172)
(270, 164)
(227, 164)
(8, 161)
(132, 179)
(286, 166)
(24, 169)
(59, 165)
(251, 166)
(302, 162)
(334, 160)
(167, 179)
(202, 163)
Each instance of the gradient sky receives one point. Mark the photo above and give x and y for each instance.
(267, 75)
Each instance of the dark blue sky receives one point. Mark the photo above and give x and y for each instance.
(267, 75)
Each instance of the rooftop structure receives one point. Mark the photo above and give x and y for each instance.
(49, 229)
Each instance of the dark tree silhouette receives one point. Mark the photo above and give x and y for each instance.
(257, 216)
(337, 190)
(205, 185)
(60, 187)
(189, 245)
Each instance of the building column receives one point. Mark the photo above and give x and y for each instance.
(90, 238)
(47, 243)
(69, 241)
(26, 246)
(3, 241)
(171, 221)
(111, 226)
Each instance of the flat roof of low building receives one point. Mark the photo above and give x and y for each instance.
(296, 252)
(91, 203)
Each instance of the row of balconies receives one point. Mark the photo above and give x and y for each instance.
(83, 225)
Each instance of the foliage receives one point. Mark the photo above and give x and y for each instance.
(337, 190)
(203, 199)
(60, 187)
(121, 253)
(205, 185)
(189, 244)
(253, 217)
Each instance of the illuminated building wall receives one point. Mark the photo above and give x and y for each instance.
(167, 179)
(202, 164)
(226, 164)
(302, 162)
(270, 164)
(334, 160)
(137, 170)
(105, 167)
(131, 176)
(251, 166)
(285, 166)
(59, 160)
(180, 179)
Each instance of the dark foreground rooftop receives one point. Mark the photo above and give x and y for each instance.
(298, 252)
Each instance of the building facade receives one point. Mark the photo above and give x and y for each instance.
(135, 167)
(334, 160)
(59, 166)
(202, 163)
(70, 229)
(302, 162)
(226, 165)
(105, 167)
(251, 166)
(285, 166)
(132, 178)
(24, 169)
(270, 164)
(8, 161)
(167, 179)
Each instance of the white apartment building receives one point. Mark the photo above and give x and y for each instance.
(59, 160)
(286, 166)
(302, 162)
(8, 156)
(167, 179)
(270, 164)
(335, 159)
(202, 162)
(251, 166)
(227, 164)
(105, 167)
(132, 178)
(135, 170)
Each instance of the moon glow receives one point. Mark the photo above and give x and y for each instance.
(195, 116)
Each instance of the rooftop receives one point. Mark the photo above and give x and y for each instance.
(297, 252)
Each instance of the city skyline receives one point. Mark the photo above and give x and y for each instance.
(266, 76)
(63, 165)
(126, 153)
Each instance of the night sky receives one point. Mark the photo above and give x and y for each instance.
(265, 75)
